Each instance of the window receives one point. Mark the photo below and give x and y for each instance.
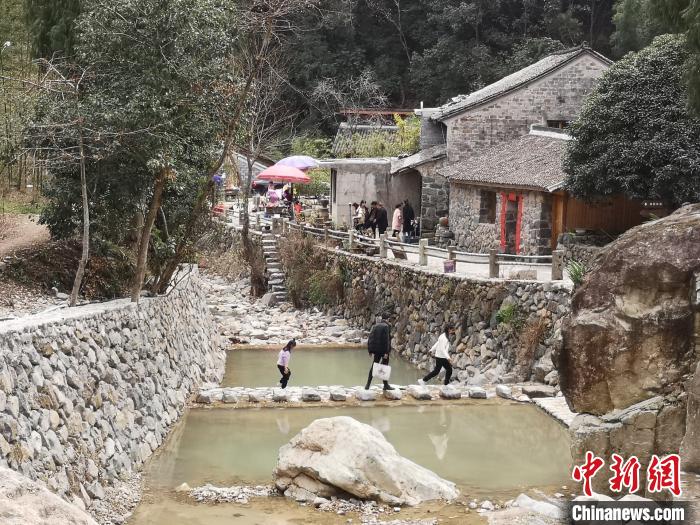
(487, 209)
(560, 124)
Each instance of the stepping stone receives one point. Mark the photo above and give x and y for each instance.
(229, 397)
(256, 397)
(476, 392)
(534, 391)
(450, 392)
(310, 395)
(279, 395)
(419, 392)
(338, 395)
(204, 397)
(504, 391)
(366, 395)
(393, 395)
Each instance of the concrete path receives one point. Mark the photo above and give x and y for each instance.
(557, 408)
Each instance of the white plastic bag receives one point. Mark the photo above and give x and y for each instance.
(381, 371)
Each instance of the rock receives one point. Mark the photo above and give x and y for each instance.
(204, 398)
(487, 505)
(24, 502)
(62, 296)
(476, 392)
(393, 395)
(310, 395)
(539, 507)
(630, 333)
(533, 391)
(256, 396)
(690, 447)
(323, 460)
(365, 395)
(279, 395)
(419, 392)
(450, 392)
(269, 299)
(504, 391)
(229, 397)
(184, 487)
(338, 395)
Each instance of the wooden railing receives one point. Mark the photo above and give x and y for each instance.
(353, 241)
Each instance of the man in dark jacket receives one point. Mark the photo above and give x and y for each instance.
(379, 345)
(408, 216)
(382, 218)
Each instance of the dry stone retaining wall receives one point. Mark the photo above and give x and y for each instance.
(420, 301)
(87, 394)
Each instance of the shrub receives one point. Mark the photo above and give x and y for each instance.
(530, 338)
(508, 314)
(577, 271)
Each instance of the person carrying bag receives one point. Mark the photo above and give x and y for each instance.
(379, 346)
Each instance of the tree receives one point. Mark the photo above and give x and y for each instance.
(635, 135)
(51, 25)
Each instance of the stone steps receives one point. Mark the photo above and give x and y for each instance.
(275, 275)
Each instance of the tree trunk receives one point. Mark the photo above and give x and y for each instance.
(86, 229)
(142, 254)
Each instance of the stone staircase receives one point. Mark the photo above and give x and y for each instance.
(275, 276)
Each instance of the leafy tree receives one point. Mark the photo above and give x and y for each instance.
(635, 135)
(51, 25)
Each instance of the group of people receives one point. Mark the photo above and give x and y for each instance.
(285, 199)
(379, 347)
(376, 218)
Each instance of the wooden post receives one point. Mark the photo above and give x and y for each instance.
(257, 221)
(382, 246)
(557, 265)
(451, 255)
(493, 263)
(422, 254)
(325, 234)
(285, 226)
(351, 240)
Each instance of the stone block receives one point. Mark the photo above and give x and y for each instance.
(450, 392)
(366, 395)
(504, 391)
(338, 395)
(393, 395)
(419, 392)
(534, 391)
(310, 395)
(476, 392)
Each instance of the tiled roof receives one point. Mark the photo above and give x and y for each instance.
(364, 140)
(532, 161)
(420, 158)
(513, 81)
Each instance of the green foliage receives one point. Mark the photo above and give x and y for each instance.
(577, 271)
(325, 287)
(51, 25)
(508, 314)
(317, 147)
(635, 26)
(635, 135)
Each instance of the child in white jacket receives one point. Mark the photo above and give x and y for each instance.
(441, 351)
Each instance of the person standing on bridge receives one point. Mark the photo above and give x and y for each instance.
(441, 351)
(379, 346)
(283, 362)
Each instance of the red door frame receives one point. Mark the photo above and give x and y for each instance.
(512, 197)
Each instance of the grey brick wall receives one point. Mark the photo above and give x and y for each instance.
(558, 96)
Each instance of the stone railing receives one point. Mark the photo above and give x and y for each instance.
(88, 393)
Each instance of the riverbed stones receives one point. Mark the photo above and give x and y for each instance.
(419, 392)
(450, 392)
(367, 467)
(310, 395)
(229, 398)
(279, 395)
(23, 502)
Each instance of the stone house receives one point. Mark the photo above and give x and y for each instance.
(549, 93)
(510, 198)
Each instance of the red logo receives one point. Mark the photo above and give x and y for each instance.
(585, 472)
(665, 474)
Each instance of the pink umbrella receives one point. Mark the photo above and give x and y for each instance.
(279, 173)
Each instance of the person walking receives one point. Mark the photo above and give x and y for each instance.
(441, 351)
(379, 346)
(382, 219)
(408, 215)
(396, 221)
(371, 219)
(283, 362)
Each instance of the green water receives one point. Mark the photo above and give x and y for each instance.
(490, 447)
(346, 367)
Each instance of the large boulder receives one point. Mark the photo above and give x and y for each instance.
(342, 457)
(629, 336)
(27, 502)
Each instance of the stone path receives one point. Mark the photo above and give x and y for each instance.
(339, 395)
(275, 275)
(557, 408)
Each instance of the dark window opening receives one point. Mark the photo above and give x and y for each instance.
(560, 124)
(487, 209)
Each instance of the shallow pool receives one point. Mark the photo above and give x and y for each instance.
(313, 367)
(494, 446)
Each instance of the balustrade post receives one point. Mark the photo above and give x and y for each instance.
(382, 246)
(557, 265)
(493, 263)
(351, 240)
(422, 252)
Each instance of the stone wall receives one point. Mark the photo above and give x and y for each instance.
(435, 195)
(420, 301)
(558, 96)
(88, 393)
(474, 236)
(582, 248)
